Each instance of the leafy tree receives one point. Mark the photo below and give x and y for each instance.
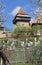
(20, 31)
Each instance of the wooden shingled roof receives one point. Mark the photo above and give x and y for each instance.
(39, 19)
(1, 26)
(21, 12)
(21, 15)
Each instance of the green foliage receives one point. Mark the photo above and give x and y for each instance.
(40, 45)
(17, 44)
(33, 30)
(5, 40)
(19, 30)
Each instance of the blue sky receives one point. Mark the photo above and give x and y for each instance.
(12, 6)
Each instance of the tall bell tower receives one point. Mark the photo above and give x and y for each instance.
(22, 18)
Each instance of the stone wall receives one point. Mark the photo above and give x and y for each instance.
(24, 55)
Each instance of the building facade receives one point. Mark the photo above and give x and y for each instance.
(2, 33)
(38, 24)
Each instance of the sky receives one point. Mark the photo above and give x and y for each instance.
(12, 7)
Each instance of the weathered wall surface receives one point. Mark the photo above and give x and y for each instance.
(24, 55)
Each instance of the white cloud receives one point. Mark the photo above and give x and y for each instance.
(15, 11)
(32, 20)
